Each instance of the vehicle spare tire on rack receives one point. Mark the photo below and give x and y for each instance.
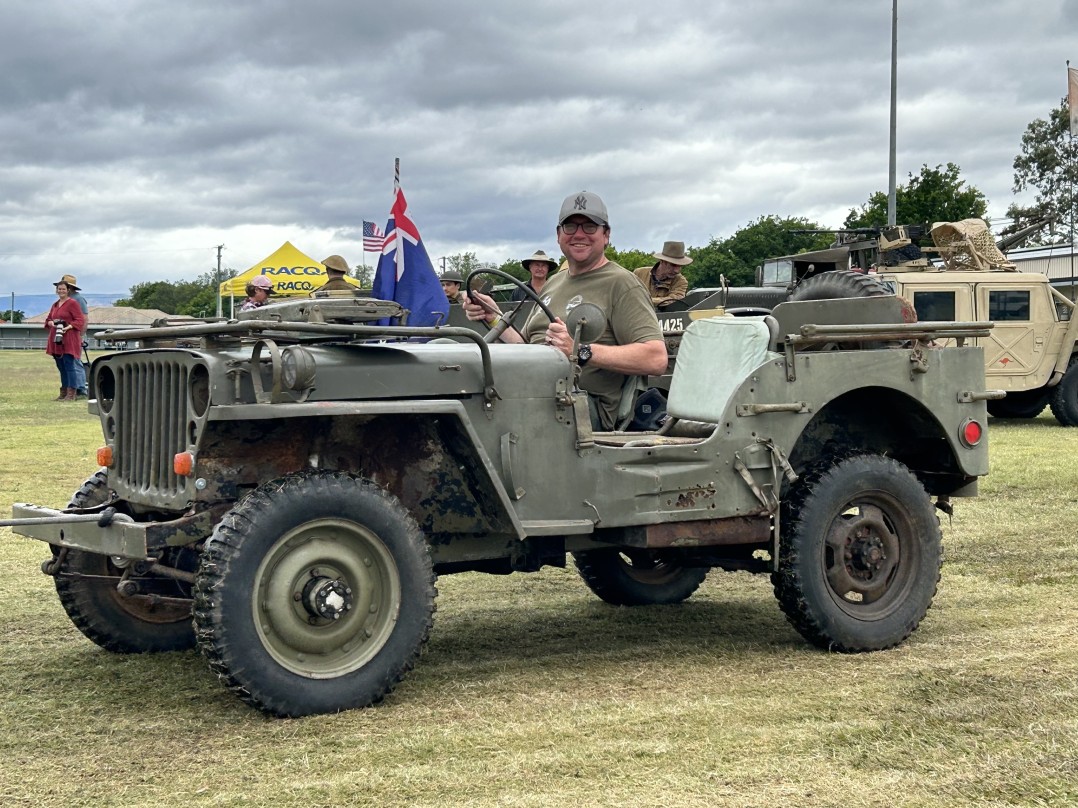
(841, 283)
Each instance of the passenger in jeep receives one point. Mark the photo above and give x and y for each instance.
(664, 281)
(632, 343)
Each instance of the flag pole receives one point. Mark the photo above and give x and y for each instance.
(1074, 158)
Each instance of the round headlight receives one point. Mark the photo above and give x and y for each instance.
(297, 368)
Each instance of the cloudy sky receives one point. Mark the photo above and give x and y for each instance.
(136, 135)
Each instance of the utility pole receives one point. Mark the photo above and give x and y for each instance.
(219, 248)
(891, 190)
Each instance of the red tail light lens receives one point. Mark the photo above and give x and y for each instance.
(972, 432)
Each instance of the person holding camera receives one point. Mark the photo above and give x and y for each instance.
(65, 322)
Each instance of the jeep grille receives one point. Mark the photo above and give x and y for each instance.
(149, 419)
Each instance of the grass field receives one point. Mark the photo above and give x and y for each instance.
(534, 693)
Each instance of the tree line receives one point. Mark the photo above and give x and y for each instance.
(1047, 163)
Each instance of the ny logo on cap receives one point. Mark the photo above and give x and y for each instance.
(580, 203)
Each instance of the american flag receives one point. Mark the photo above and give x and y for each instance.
(372, 237)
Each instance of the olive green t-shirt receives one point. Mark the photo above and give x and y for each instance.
(630, 318)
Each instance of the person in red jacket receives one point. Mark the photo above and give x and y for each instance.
(65, 322)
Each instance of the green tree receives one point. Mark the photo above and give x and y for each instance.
(737, 256)
(935, 195)
(12, 316)
(1048, 162)
(364, 273)
(463, 263)
(513, 267)
(630, 259)
(197, 298)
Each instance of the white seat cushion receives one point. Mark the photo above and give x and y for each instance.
(716, 355)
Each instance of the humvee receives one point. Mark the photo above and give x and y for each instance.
(1031, 353)
(282, 490)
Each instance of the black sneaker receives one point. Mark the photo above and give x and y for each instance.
(80, 394)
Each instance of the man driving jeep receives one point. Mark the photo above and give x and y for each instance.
(632, 343)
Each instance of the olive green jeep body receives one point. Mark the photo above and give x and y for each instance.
(282, 490)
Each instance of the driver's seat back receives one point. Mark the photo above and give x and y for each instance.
(715, 356)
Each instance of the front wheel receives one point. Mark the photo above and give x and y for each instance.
(636, 577)
(1065, 396)
(156, 619)
(315, 594)
(860, 554)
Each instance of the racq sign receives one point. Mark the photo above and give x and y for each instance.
(295, 279)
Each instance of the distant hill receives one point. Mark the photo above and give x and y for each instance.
(32, 305)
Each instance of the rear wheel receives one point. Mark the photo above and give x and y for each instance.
(1020, 404)
(860, 554)
(315, 594)
(636, 577)
(1065, 396)
(158, 618)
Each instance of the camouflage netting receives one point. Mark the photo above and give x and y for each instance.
(968, 244)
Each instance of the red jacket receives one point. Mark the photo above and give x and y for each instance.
(71, 313)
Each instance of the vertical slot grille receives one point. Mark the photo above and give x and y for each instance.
(151, 409)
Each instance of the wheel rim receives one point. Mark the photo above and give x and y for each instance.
(144, 607)
(326, 598)
(870, 556)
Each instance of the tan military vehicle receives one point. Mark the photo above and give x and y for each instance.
(1030, 353)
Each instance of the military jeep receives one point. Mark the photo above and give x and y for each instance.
(282, 490)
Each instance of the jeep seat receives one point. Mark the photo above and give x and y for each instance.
(716, 355)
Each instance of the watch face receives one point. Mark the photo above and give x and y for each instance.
(584, 354)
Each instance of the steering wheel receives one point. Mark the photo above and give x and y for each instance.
(499, 329)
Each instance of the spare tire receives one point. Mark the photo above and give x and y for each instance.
(840, 284)
(837, 284)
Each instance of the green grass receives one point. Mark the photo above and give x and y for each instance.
(534, 693)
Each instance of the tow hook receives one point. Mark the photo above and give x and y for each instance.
(51, 566)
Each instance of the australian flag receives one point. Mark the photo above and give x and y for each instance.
(405, 273)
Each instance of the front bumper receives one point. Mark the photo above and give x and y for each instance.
(107, 532)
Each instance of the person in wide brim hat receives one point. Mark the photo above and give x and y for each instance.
(540, 267)
(69, 281)
(664, 281)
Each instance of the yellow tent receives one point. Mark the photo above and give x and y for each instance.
(293, 274)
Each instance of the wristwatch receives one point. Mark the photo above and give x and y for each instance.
(583, 354)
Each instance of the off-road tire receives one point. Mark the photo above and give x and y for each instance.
(270, 556)
(838, 284)
(636, 577)
(1065, 396)
(1020, 404)
(860, 554)
(123, 625)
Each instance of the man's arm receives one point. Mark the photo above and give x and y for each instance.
(679, 287)
(636, 359)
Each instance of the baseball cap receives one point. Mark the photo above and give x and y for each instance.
(262, 282)
(584, 203)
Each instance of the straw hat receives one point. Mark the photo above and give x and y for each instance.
(540, 256)
(69, 280)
